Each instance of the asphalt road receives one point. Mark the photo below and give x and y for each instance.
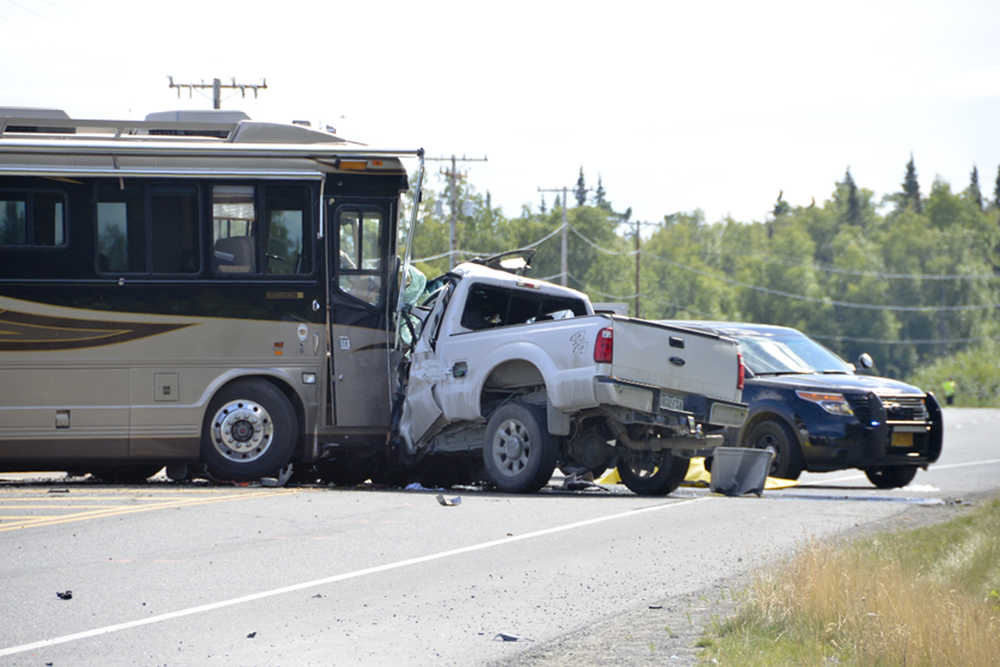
(191, 574)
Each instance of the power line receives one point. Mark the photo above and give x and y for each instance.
(791, 295)
(453, 175)
(760, 288)
(563, 261)
(829, 268)
(487, 254)
(907, 341)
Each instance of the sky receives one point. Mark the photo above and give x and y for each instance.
(676, 106)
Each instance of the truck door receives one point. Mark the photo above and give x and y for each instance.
(359, 245)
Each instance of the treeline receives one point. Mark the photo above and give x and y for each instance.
(911, 279)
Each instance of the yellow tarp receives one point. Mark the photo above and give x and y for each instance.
(698, 476)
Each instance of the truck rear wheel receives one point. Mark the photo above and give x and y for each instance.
(649, 473)
(519, 453)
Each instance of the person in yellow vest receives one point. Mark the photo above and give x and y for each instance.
(949, 391)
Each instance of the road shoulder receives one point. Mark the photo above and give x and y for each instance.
(667, 631)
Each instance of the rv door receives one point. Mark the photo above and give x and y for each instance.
(359, 327)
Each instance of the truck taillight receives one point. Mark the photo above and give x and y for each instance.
(604, 346)
(740, 372)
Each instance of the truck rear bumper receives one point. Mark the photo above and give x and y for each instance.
(653, 400)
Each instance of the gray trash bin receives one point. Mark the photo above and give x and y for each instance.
(740, 470)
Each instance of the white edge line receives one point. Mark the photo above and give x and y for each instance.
(932, 468)
(180, 613)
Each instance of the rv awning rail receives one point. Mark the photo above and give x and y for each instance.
(60, 125)
(64, 145)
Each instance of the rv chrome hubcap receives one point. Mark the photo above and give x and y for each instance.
(511, 447)
(242, 430)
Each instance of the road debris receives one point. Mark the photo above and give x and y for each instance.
(449, 502)
(251, 635)
(60, 490)
(64, 595)
(502, 637)
(284, 475)
(582, 482)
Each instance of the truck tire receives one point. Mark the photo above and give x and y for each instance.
(649, 473)
(787, 462)
(891, 477)
(519, 453)
(250, 431)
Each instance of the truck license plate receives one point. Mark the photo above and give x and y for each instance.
(671, 402)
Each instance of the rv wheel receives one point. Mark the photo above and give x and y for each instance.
(250, 431)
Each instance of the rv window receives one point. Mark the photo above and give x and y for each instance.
(32, 218)
(174, 214)
(121, 233)
(233, 217)
(13, 220)
(286, 235)
(360, 254)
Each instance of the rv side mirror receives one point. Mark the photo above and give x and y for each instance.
(865, 361)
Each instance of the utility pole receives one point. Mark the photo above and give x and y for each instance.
(453, 176)
(637, 269)
(217, 87)
(563, 268)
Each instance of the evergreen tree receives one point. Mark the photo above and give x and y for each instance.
(557, 204)
(911, 188)
(974, 192)
(581, 190)
(853, 213)
(600, 196)
(996, 190)
(781, 207)
(541, 206)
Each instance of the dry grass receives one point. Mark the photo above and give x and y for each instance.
(924, 597)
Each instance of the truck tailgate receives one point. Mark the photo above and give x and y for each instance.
(675, 358)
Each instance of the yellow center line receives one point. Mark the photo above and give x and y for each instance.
(74, 490)
(122, 510)
(86, 498)
(55, 507)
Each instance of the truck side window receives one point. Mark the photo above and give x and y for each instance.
(487, 306)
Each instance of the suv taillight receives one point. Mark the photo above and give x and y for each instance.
(740, 372)
(604, 346)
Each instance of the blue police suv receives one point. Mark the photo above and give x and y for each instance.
(809, 406)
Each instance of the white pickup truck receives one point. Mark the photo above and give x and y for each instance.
(525, 372)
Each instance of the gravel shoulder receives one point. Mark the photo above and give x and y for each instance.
(667, 631)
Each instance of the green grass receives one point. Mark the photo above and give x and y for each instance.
(923, 597)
